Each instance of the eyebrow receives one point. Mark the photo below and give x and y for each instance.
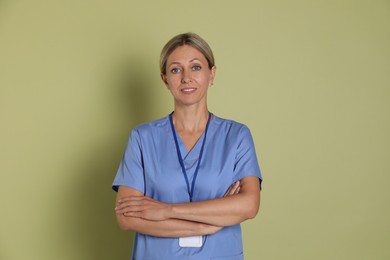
(176, 62)
(194, 59)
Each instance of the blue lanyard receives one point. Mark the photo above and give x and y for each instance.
(183, 169)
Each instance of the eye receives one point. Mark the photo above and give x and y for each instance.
(175, 70)
(196, 67)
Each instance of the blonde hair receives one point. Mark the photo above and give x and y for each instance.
(190, 39)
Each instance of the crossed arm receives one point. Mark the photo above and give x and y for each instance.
(151, 217)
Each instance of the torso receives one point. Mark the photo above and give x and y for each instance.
(152, 167)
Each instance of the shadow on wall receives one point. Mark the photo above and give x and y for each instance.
(93, 200)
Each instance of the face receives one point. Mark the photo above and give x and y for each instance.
(188, 76)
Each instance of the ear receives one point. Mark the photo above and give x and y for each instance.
(164, 79)
(212, 77)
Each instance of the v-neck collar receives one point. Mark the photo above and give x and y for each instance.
(193, 154)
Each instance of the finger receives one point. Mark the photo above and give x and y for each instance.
(126, 204)
(237, 187)
(130, 209)
(131, 198)
(135, 201)
(234, 187)
(229, 190)
(133, 214)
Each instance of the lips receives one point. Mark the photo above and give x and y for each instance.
(188, 90)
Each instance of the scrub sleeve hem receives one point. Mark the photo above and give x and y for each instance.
(115, 187)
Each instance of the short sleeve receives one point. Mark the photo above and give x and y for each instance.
(246, 163)
(130, 172)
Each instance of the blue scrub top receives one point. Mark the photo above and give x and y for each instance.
(150, 165)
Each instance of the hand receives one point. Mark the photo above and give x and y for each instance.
(142, 207)
(233, 189)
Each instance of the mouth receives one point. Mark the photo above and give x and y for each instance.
(188, 90)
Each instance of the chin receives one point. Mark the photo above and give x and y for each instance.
(190, 102)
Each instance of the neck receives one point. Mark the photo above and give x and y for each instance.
(190, 119)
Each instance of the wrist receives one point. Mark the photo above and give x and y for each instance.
(170, 211)
(173, 211)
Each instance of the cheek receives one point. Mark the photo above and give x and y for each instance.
(205, 79)
(173, 83)
(201, 76)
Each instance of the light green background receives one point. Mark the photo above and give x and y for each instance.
(310, 78)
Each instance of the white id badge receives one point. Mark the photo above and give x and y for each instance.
(195, 241)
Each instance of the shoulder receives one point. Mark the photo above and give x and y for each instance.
(231, 125)
(149, 131)
(150, 127)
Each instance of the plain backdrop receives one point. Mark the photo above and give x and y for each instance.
(311, 79)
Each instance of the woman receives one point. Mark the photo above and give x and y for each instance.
(188, 180)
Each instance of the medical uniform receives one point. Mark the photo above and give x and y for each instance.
(150, 165)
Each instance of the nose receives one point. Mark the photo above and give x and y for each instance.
(186, 77)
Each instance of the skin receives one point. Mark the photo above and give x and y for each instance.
(188, 78)
(162, 228)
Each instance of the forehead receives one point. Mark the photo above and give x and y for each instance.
(186, 53)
